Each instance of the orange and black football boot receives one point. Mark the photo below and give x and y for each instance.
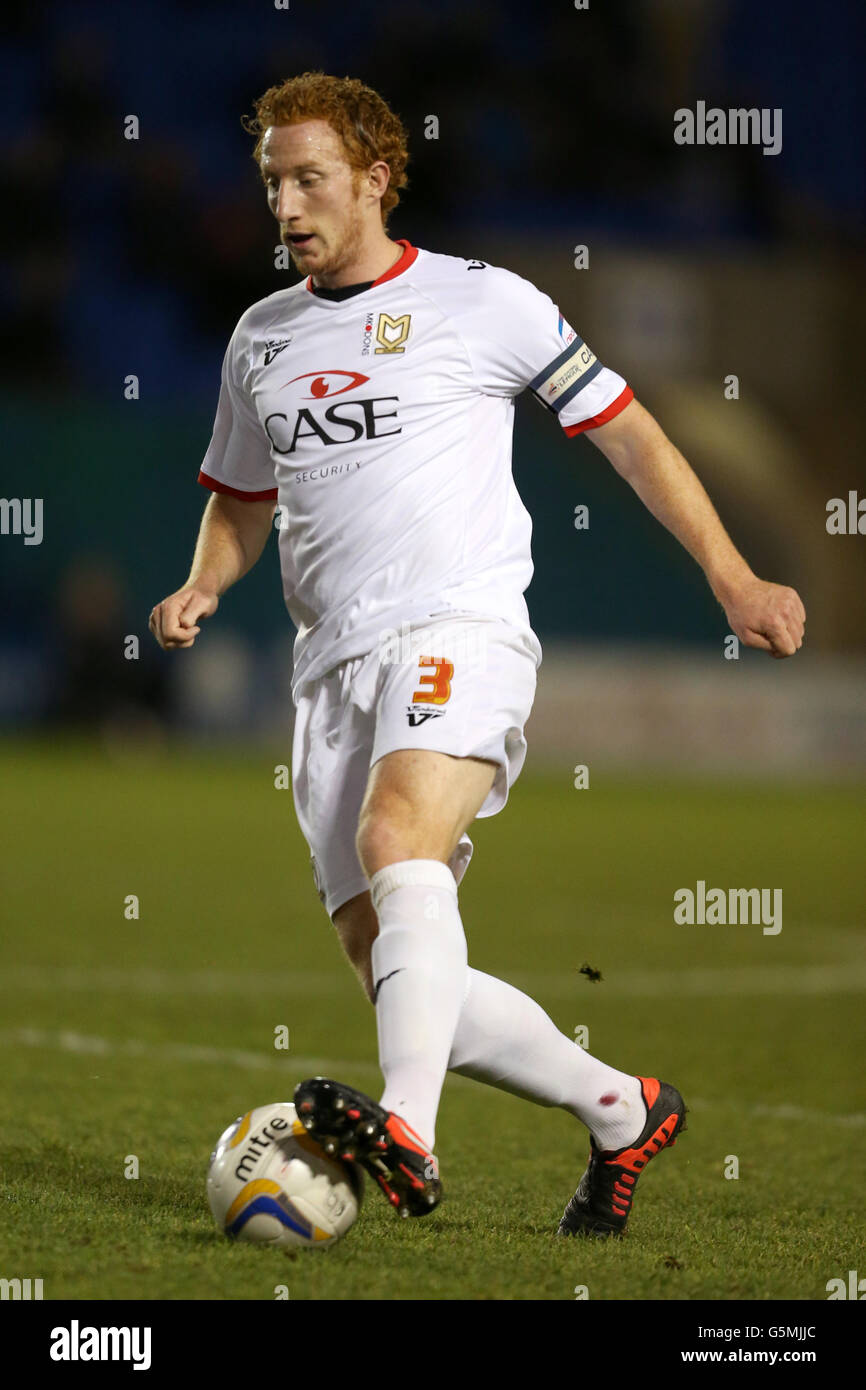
(351, 1126)
(602, 1202)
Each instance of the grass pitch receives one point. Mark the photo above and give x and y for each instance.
(125, 1037)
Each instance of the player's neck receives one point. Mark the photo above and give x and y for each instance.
(367, 266)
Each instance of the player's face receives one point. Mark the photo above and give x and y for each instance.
(316, 197)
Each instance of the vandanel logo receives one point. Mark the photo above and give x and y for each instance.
(326, 384)
(273, 347)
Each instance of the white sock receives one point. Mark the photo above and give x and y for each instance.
(507, 1040)
(419, 968)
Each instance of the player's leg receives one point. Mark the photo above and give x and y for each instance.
(442, 725)
(500, 1035)
(331, 753)
(357, 927)
(417, 806)
(418, 801)
(503, 1038)
(415, 810)
(412, 960)
(333, 746)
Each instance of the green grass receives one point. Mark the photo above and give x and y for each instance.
(107, 1022)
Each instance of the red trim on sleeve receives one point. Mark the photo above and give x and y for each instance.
(269, 495)
(607, 414)
(410, 254)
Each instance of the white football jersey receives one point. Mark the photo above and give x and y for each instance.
(382, 425)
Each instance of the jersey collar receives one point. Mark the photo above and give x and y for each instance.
(410, 254)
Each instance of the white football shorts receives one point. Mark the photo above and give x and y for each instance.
(455, 684)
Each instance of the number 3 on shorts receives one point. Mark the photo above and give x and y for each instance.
(435, 678)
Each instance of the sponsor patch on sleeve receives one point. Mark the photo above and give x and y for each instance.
(560, 381)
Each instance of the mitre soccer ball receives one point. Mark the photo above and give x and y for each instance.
(271, 1183)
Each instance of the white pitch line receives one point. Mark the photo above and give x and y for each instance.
(706, 982)
(89, 1045)
(144, 980)
(799, 1114)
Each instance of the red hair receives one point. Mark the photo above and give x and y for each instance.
(367, 127)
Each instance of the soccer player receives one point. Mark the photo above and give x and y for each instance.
(370, 407)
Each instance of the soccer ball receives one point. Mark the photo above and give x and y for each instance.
(270, 1182)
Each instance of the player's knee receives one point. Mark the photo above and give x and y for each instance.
(384, 836)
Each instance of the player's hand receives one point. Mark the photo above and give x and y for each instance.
(175, 622)
(769, 616)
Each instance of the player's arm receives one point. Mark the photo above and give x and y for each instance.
(769, 616)
(231, 538)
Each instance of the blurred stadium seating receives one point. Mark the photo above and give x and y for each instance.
(138, 256)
